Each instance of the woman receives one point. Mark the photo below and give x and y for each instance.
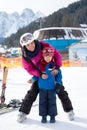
(31, 55)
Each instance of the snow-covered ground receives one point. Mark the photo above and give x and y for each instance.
(75, 82)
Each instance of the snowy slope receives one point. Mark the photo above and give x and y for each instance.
(75, 82)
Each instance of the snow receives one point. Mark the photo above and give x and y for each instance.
(75, 82)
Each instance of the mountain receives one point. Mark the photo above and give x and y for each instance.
(10, 23)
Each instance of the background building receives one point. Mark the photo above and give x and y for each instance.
(78, 54)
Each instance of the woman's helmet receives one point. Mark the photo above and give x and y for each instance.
(26, 38)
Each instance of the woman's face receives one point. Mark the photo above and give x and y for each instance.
(30, 46)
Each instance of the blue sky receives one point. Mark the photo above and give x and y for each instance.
(45, 6)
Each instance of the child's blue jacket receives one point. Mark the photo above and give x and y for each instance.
(50, 82)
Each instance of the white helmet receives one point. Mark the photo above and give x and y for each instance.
(26, 38)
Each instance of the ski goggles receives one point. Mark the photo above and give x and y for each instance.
(27, 38)
(48, 50)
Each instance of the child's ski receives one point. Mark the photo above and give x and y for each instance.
(2, 97)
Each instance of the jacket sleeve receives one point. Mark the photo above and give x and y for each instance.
(58, 58)
(29, 68)
(34, 78)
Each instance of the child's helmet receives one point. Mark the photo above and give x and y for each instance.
(48, 50)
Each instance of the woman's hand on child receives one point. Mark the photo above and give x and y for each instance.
(55, 72)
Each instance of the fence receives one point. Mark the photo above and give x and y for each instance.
(10, 62)
(16, 62)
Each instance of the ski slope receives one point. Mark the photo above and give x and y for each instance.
(75, 82)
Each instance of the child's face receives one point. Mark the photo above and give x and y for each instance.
(48, 58)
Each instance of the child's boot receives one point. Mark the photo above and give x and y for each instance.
(52, 119)
(44, 119)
